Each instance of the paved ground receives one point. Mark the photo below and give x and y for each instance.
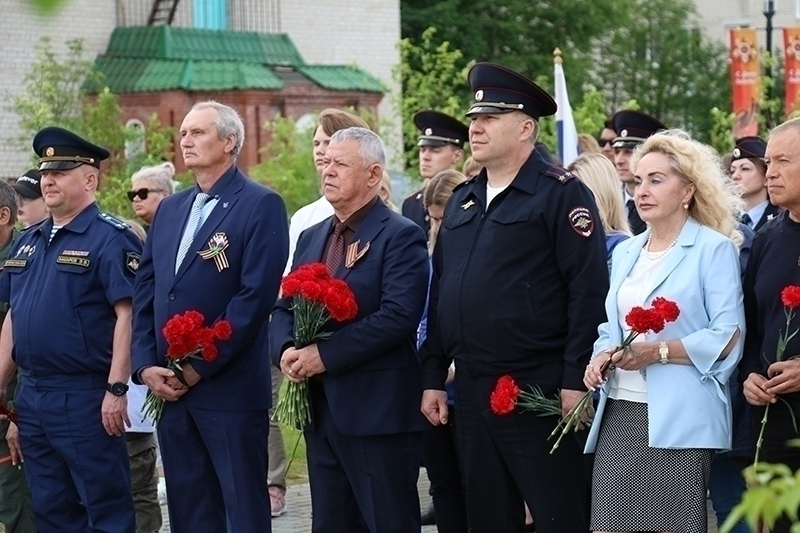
(298, 516)
(298, 504)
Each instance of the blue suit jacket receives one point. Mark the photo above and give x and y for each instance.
(372, 382)
(688, 405)
(254, 220)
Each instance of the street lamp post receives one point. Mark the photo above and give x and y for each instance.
(769, 12)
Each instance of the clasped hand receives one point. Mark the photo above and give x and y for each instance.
(782, 377)
(165, 384)
(301, 364)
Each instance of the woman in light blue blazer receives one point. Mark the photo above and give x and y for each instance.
(665, 408)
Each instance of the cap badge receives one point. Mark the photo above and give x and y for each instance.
(428, 131)
(737, 152)
(479, 95)
(623, 133)
(49, 151)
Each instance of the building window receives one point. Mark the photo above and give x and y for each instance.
(210, 14)
(134, 140)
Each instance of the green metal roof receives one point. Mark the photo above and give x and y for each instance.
(132, 75)
(342, 78)
(168, 42)
(161, 58)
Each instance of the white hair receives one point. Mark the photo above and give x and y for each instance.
(370, 145)
(228, 123)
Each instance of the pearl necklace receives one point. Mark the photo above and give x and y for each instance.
(657, 255)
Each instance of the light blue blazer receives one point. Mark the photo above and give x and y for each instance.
(688, 405)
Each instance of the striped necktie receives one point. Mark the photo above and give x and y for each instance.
(191, 228)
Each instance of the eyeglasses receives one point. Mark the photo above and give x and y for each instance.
(603, 142)
(141, 193)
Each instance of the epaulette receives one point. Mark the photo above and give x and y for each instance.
(561, 174)
(114, 221)
(470, 181)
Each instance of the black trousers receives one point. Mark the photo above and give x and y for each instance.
(447, 488)
(506, 461)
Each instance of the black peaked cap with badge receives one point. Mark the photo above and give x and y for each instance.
(498, 89)
(633, 127)
(439, 129)
(60, 149)
(749, 147)
(29, 185)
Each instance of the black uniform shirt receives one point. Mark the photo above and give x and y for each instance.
(520, 284)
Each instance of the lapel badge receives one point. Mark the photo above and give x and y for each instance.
(353, 254)
(216, 251)
(770, 217)
(467, 205)
(224, 205)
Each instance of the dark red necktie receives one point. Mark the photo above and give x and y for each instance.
(336, 249)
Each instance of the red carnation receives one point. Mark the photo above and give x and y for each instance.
(642, 320)
(790, 296)
(222, 330)
(667, 309)
(503, 399)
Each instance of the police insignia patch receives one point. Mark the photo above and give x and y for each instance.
(580, 220)
(132, 260)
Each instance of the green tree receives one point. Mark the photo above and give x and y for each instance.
(57, 91)
(720, 136)
(520, 34)
(433, 75)
(662, 59)
(287, 165)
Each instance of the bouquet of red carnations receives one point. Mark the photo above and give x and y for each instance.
(507, 394)
(316, 298)
(186, 338)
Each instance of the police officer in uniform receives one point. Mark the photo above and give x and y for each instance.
(69, 283)
(518, 287)
(633, 128)
(441, 147)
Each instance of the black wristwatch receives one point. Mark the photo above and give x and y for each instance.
(117, 389)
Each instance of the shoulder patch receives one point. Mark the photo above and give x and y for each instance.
(561, 174)
(580, 220)
(132, 260)
(114, 221)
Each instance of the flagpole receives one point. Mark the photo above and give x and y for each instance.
(566, 132)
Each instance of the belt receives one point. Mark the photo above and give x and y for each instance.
(65, 382)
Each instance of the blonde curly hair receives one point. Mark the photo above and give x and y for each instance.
(715, 203)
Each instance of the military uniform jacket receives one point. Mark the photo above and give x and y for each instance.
(62, 293)
(520, 284)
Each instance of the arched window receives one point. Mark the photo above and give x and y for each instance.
(135, 139)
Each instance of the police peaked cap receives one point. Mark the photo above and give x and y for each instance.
(749, 147)
(633, 127)
(60, 149)
(439, 129)
(501, 90)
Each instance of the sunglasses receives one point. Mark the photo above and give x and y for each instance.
(141, 193)
(603, 142)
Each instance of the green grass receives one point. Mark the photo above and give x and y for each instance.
(298, 469)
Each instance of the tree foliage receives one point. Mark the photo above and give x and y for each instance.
(433, 75)
(662, 59)
(55, 93)
(288, 165)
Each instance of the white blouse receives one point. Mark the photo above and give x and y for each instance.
(629, 384)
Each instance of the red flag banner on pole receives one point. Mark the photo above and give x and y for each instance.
(745, 80)
(791, 48)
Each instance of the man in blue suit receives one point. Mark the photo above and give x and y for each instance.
(213, 431)
(365, 441)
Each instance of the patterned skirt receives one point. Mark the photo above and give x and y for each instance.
(639, 488)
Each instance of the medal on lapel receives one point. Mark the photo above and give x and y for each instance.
(353, 254)
(216, 251)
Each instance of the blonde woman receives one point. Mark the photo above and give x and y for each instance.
(588, 144)
(438, 451)
(665, 409)
(599, 174)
